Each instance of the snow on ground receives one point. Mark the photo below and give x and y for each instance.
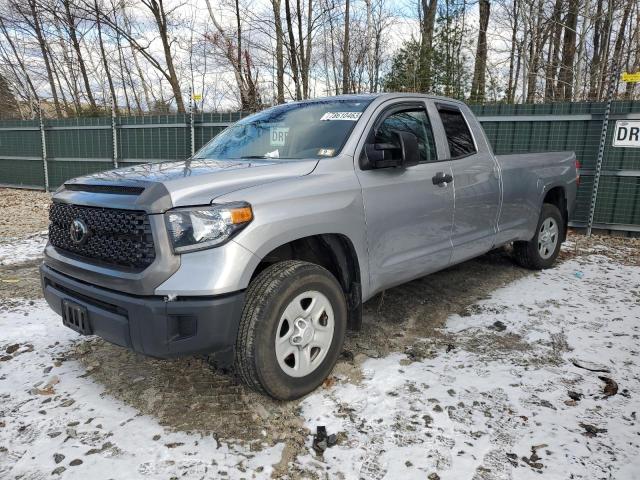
(23, 250)
(503, 413)
(56, 420)
(508, 399)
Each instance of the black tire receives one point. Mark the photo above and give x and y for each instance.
(527, 254)
(266, 299)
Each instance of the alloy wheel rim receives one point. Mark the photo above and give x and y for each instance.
(547, 238)
(304, 334)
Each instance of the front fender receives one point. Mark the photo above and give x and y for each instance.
(329, 201)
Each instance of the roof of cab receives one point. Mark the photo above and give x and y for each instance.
(382, 95)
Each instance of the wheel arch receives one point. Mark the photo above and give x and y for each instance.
(557, 196)
(333, 251)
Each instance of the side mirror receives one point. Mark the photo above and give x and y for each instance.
(402, 153)
(409, 148)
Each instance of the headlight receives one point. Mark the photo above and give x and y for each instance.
(197, 228)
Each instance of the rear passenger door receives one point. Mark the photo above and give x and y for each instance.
(409, 216)
(476, 183)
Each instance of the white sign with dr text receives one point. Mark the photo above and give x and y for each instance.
(627, 134)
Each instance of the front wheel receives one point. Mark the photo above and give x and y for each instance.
(291, 331)
(543, 249)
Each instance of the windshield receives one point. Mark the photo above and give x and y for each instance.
(291, 131)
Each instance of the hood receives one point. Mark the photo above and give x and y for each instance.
(156, 187)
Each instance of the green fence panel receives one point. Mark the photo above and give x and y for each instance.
(79, 138)
(153, 138)
(21, 154)
(22, 173)
(62, 170)
(78, 146)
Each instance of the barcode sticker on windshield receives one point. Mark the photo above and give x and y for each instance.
(349, 116)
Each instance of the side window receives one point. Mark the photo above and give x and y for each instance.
(413, 120)
(458, 135)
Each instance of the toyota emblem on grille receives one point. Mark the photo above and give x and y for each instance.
(78, 231)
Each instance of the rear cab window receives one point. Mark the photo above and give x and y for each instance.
(459, 136)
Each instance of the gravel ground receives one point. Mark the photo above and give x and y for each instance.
(185, 396)
(30, 206)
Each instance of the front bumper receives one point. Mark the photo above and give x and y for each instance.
(149, 324)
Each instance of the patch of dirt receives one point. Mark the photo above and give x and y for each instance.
(31, 207)
(20, 280)
(409, 318)
(622, 249)
(185, 394)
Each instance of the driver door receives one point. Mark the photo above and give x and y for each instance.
(408, 211)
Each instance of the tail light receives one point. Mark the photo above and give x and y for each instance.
(578, 167)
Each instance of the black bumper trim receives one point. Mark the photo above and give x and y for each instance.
(149, 324)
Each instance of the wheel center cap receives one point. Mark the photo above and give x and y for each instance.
(546, 237)
(302, 333)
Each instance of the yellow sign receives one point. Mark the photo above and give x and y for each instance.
(631, 77)
(197, 97)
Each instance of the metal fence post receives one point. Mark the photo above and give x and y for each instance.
(114, 133)
(603, 141)
(191, 124)
(43, 141)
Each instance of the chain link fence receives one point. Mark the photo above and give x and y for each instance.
(43, 154)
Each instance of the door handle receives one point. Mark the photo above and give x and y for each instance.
(442, 179)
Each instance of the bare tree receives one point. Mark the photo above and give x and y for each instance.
(429, 10)
(279, 53)
(553, 57)
(345, 50)
(480, 68)
(30, 13)
(565, 77)
(240, 60)
(72, 29)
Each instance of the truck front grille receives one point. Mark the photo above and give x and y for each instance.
(118, 237)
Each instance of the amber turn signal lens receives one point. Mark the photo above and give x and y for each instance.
(241, 215)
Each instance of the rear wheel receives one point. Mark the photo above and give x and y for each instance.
(291, 330)
(543, 249)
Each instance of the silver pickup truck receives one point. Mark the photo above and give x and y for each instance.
(260, 250)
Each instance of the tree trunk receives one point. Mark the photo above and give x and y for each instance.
(279, 51)
(141, 76)
(427, 26)
(103, 55)
(292, 51)
(307, 56)
(635, 67)
(345, 51)
(604, 56)
(514, 40)
(519, 50)
(617, 49)
(18, 59)
(565, 77)
(304, 78)
(480, 68)
(594, 70)
(157, 9)
(579, 82)
(45, 56)
(554, 54)
(71, 24)
(239, 60)
(535, 44)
